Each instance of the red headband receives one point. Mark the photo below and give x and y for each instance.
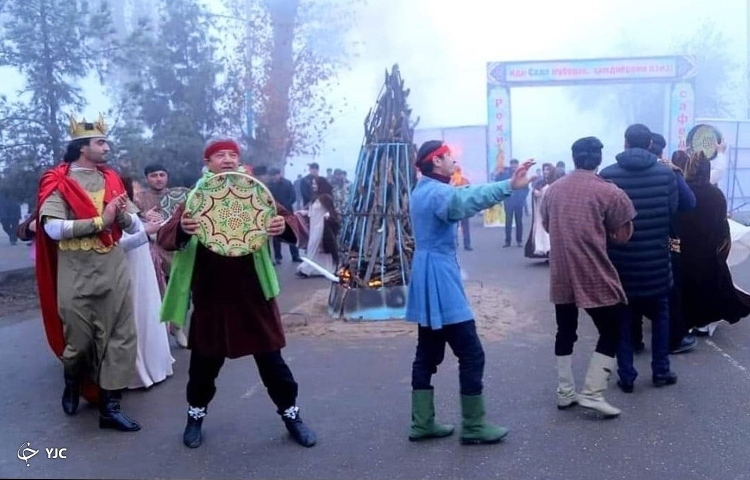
(436, 153)
(219, 146)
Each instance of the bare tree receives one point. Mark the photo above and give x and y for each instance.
(285, 69)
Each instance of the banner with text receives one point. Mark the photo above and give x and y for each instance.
(587, 71)
(498, 145)
(681, 115)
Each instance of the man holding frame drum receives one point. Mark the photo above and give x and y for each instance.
(223, 260)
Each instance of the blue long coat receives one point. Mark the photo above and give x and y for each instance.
(436, 293)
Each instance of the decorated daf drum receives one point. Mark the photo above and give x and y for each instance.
(170, 200)
(704, 138)
(234, 211)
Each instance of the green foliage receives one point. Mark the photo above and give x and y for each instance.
(297, 49)
(169, 101)
(53, 44)
(176, 80)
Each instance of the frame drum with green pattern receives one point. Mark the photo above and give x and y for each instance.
(233, 210)
(170, 200)
(704, 138)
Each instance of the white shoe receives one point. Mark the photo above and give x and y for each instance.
(566, 386)
(180, 338)
(712, 328)
(597, 377)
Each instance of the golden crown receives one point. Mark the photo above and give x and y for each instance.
(85, 129)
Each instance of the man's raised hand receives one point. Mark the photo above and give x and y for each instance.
(520, 178)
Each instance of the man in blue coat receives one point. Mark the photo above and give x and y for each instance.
(514, 206)
(644, 263)
(437, 301)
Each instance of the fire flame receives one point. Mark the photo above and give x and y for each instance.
(344, 275)
(346, 278)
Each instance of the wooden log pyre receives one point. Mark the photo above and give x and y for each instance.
(376, 240)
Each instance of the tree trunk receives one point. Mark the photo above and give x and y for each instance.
(275, 120)
(53, 107)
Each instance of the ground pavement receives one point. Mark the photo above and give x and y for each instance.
(356, 394)
(15, 260)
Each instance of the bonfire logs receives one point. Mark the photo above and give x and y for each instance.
(376, 239)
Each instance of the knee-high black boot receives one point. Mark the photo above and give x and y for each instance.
(111, 414)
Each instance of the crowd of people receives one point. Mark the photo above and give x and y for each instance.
(113, 268)
(645, 237)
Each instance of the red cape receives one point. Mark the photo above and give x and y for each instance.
(57, 179)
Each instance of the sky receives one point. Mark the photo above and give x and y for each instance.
(442, 48)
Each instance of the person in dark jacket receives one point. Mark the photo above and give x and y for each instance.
(644, 263)
(680, 340)
(283, 192)
(313, 185)
(514, 205)
(709, 294)
(10, 215)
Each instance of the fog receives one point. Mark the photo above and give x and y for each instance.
(443, 48)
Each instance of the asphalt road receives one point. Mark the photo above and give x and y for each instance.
(355, 393)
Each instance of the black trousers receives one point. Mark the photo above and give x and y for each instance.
(466, 232)
(677, 327)
(274, 373)
(513, 211)
(277, 243)
(606, 319)
(464, 341)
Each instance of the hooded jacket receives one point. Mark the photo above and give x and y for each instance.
(643, 263)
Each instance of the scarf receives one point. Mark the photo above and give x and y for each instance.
(177, 297)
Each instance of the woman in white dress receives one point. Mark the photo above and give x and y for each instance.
(537, 245)
(154, 359)
(322, 244)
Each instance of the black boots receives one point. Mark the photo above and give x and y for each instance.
(71, 395)
(300, 432)
(110, 412)
(193, 437)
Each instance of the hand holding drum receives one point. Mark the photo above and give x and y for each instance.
(277, 226)
(188, 224)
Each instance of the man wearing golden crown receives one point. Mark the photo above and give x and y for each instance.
(84, 285)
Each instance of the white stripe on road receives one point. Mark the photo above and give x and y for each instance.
(729, 358)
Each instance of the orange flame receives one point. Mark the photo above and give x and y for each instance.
(346, 279)
(458, 179)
